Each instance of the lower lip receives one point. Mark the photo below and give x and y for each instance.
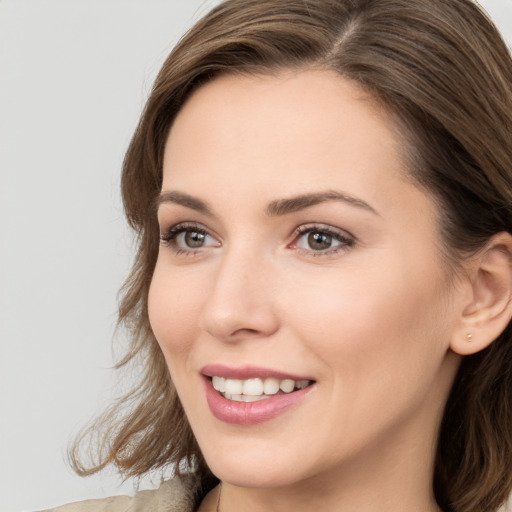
(251, 413)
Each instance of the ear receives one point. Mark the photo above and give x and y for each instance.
(487, 307)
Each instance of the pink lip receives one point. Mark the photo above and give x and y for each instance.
(247, 372)
(250, 413)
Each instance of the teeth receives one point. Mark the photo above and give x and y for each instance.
(250, 390)
(246, 398)
(253, 387)
(270, 386)
(287, 385)
(234, 386)
(219, 383)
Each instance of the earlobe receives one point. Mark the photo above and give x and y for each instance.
(488, 310)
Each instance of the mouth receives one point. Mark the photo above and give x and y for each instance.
(249, 395)
(255, 389)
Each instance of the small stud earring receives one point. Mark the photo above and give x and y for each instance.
(469, 337)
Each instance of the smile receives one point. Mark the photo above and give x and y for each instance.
(250, 395)
(252, 390)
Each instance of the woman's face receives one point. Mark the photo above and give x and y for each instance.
(298, 254)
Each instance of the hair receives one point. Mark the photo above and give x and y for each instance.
(442, 71)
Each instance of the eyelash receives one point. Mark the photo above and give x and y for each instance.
(345, 239)
(169, 237)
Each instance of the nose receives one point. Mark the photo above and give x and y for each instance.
(240, 302)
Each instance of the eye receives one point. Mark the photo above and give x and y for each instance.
(322, 240)
(188, 238)
(191, 239)
(318, 241)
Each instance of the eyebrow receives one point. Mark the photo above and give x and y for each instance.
(294, 204)
(184, 200)
(275, 208)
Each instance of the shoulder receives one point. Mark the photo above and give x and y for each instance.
(175, 495)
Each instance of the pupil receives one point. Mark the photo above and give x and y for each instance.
(319, 241)
(194, 239)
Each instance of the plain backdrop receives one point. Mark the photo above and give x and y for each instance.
(74, 75)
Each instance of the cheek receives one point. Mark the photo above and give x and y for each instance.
(174, 307)
(378, 339)
(358, 315)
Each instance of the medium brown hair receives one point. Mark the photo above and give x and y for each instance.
(445, 75)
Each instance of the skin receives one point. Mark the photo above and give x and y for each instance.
(371, 319)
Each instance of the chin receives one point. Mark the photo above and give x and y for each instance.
(255, 475)
(253, 464)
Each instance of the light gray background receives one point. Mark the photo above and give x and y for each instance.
(73, 78)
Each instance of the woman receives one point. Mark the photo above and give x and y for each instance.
(322, 295)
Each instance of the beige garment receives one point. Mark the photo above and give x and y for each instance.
(175, 495)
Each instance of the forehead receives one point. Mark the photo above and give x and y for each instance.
(282, 135)
(291, 98)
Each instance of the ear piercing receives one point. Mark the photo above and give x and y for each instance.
(469, 337)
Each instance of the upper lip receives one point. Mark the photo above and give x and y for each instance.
(248, 372)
